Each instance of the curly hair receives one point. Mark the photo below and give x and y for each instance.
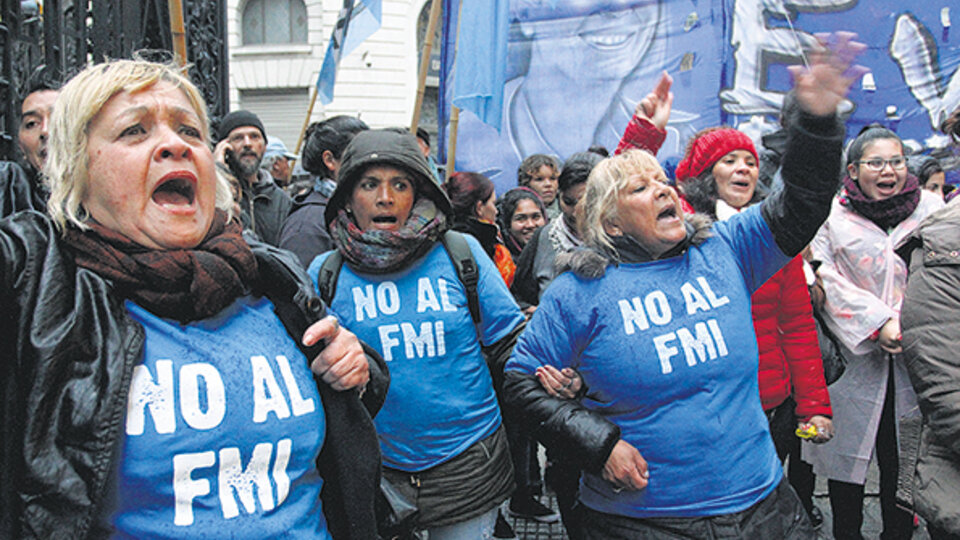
(531, 164)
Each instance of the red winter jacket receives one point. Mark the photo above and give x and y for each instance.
(787, 340)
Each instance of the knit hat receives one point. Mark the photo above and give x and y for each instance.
(707, 149)
(237, 119)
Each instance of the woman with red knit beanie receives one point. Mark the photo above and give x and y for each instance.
(718, 177)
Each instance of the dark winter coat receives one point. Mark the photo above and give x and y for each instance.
(930, 317)
(303, 231)
(19, 190)
(70, 347)
(264, 207)
(485, 233)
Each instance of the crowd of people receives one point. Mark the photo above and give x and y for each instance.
(200, 346)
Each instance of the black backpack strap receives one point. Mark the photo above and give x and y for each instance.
(328, 276)
(466, 266)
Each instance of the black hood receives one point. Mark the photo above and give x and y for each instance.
(384, 147)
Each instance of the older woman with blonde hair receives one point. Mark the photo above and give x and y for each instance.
(157, 380)
(655, 317)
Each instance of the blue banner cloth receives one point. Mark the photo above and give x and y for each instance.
(575, 70)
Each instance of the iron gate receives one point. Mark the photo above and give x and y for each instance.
(61, 37)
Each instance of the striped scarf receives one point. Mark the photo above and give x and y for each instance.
(383, 252)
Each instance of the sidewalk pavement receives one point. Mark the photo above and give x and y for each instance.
(531, 530)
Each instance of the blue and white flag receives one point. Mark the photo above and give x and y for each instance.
(475, 62)
(362, 19)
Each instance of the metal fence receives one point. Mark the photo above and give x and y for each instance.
(53, 39)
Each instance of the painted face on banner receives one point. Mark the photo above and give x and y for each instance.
(610, 36)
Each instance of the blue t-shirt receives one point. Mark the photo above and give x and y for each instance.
(223, 427)
(668, 353)
(441, 397)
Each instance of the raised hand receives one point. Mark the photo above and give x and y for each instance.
(656, 106)
(821, 86)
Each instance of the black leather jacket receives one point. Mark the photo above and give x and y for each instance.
(68, 351)
(19, 190)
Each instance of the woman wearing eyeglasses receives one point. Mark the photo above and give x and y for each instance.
(864, 280)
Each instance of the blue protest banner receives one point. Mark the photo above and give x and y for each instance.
(576, 68)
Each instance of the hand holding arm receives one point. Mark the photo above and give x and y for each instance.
(342, 363)
(563, 383)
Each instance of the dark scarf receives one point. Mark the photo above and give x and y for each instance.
(513, 244)
(382, 252)
(630, 251)
(181, 284)
(486, 233)
(886, 213)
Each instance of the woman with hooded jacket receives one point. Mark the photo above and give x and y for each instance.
(440, 427)
(864, 279)
(930, 449)
(681, 446)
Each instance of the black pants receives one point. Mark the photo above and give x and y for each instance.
(783, 427)
(564, 479)
(779, 516)
(846, 499)
(523, 453)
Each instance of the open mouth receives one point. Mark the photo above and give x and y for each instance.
(175, 192)
(887, 186)
(741, 184)
(669, 212)
(385, 220)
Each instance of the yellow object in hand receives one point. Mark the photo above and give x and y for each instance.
(807, 431)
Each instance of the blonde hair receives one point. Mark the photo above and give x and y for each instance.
(80, 100)
(604, 185)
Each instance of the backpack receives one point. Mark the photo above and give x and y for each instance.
(457, 249)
